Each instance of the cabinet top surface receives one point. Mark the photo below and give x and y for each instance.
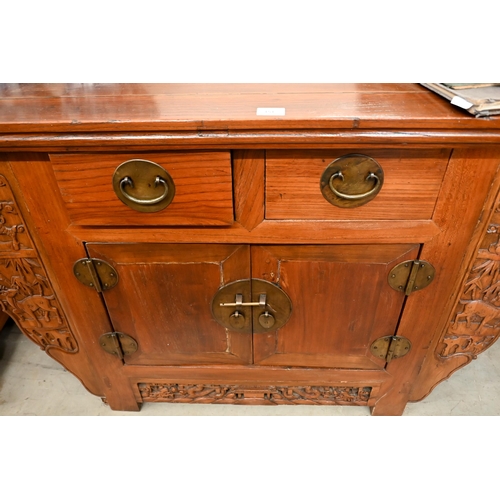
(66, 108)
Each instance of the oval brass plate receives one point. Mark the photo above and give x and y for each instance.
(135, 182)
(113, 342)
(400, 275)
(227, 294)
(277, 304)
(399, 347)
(353, 175)
(105, 273)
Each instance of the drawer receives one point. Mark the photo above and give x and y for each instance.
(412, 180)
(202, 184)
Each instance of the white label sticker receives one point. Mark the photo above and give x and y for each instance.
(461, 103)
(270, 111)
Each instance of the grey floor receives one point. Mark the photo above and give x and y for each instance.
(31, 383)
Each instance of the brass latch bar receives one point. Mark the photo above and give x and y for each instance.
(239, 301)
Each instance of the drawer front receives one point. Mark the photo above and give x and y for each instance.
(203, 189)
(411, 183)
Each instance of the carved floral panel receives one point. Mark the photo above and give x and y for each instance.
(13, 234)
(271, 395)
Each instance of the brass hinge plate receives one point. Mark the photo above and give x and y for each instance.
(411, 276)
(390, 347)
(96, 274)
(118, 344)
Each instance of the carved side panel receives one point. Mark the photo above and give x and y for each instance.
(265, 395)
(25, 292)
(476, 322)
(13, 234)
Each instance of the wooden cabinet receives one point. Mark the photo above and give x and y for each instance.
(253, 284)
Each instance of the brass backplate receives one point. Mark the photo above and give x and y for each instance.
(390, 347)
(118, 344)
(96, 273)
(277, 304)
(143, 174)
(225, 315)
(354, 177)
(411, 276)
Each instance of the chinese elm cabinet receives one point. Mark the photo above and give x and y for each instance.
(175, 243)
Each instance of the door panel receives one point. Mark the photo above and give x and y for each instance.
(341, 303)
(163, 300)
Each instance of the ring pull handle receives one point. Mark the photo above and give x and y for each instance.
(127, 181)
(371, 176)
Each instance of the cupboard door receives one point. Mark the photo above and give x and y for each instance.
(163, 300)
(341, 303)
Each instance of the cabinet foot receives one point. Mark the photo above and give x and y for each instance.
(388, 408)
(121, 405)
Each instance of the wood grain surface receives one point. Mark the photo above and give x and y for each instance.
(163, 300)
(412, 180)
(249, 186)
(203, 189)
(341, 303)
(57, 108)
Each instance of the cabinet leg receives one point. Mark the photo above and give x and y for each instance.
(121, 401)
(387, 408)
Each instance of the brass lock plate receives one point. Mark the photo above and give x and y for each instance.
(95, 273)
(237, 318)
(411, 276)
(118, 344)
(390, 347)
(351, 181)
(278, 306)
(251, 306)
(143, 185)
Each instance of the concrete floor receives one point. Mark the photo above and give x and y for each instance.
(31, 383)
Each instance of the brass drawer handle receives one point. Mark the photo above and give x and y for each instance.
(346, 196)
(351, 173)
(135, 176)
(127, 181)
